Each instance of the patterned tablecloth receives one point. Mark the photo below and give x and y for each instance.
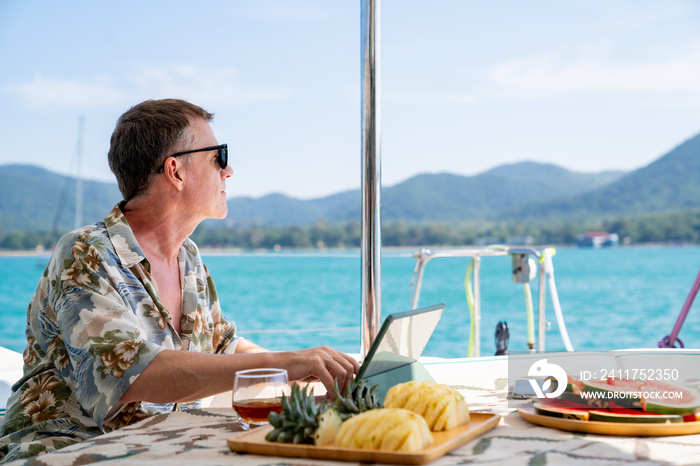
(198, 437)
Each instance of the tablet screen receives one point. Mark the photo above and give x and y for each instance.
(401, 340)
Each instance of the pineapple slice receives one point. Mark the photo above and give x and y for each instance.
(360, 436)
(405, 437)
(422, 405)
(385, 429)
(414, 441)
(442, 406)
(355, 432)
(398, 394)
(382, 427)
(438, 403)
(396, 437)
(454, 415)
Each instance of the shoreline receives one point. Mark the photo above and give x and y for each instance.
(353, 251)
(21, 253)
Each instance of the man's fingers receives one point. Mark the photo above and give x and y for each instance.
(327, 365)
(326, 379)
(353, 362)
(344, 373)
(347, 374)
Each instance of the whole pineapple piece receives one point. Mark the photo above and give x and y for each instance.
(298, 420)
(442, 406)
(390, 429)
(358, 399)
(302, 420)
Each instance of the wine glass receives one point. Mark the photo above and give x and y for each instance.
(258, 392)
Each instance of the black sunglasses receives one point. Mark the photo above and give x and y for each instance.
(221, 155)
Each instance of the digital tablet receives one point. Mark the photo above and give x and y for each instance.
(393, 356)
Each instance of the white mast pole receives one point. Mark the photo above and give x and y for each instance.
(78, 176)
(371, 176)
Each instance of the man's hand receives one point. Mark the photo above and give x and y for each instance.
(322, 363)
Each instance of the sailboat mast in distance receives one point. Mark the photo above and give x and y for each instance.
(78, 175)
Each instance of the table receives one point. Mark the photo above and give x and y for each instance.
(199, 437)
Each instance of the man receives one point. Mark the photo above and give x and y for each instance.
(126, 315)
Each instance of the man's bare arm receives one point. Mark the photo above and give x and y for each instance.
(177, 376)
(245, 346)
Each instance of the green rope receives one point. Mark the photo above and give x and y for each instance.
(530, 316)
(470, 302)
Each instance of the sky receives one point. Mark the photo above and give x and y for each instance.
(466, 86)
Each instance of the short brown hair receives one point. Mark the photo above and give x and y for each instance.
(144, 136)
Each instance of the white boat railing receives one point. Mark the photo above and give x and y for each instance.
(11, 364)
(423, 256)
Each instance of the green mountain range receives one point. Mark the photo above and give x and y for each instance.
(34, 199)
(671, 183)
(439, 197)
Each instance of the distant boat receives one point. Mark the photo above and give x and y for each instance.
(597, 239)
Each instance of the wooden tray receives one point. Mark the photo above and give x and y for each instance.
(630, 429)
(253, 441)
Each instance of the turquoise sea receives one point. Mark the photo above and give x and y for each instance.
(611, 298)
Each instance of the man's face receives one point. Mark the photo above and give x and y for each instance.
(206, 180)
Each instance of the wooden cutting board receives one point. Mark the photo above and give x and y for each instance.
(253, 441)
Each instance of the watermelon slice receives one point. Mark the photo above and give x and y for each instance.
(590, 403)
(573, 402)
(623, 393)
(573, 384)
(669, 398)
(575, 387)
(632, 415)
(624, 384)
(561, 409)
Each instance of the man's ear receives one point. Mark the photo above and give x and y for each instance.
(174, 173)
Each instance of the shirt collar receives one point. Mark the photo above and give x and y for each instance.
(122, 238)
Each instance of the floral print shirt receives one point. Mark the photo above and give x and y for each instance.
(94, 324)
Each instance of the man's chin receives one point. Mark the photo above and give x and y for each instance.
(222, 215)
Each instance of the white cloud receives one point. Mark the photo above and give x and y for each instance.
(201, 85)
(42, 92)
(553, 72)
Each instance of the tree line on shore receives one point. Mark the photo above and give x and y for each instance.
(680, 227)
